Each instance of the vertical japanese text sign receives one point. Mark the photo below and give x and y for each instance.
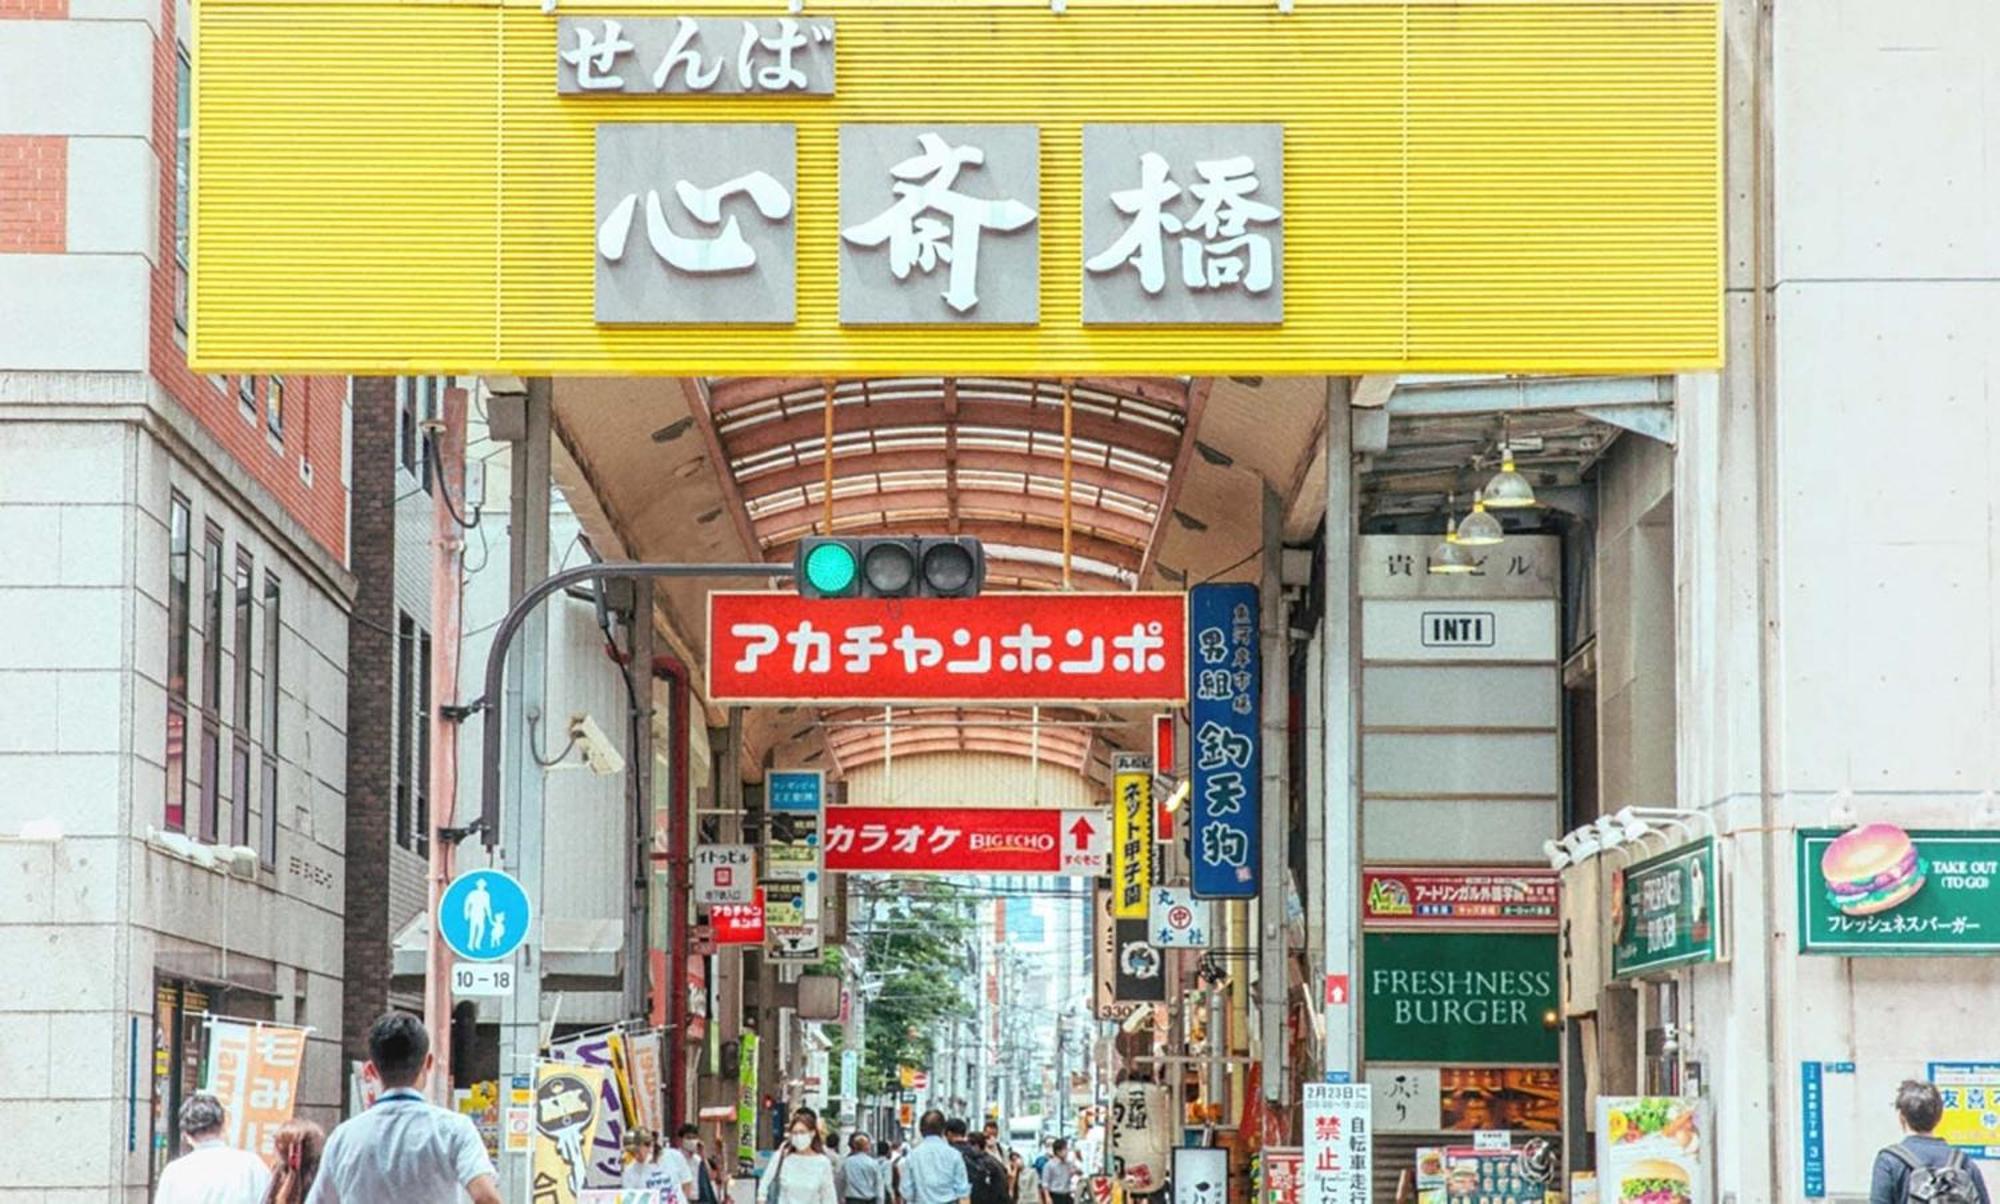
(1338, 1137)
(792, 800)
(1131, 835)
(1225, 752)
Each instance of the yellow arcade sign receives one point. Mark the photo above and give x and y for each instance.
(1131, 835)
(1512, 185)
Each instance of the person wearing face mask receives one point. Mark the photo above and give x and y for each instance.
(704, 1183)
(801, 1173)
(658, 1166)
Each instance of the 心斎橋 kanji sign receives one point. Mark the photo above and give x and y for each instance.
(1111, 647)
(958, 186)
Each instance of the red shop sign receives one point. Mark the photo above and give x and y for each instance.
(1046, 647)
(965, 840)
(738, 923)
(1468, 898)
(1284, 1172)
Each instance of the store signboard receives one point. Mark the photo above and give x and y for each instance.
(1467, 1099)
(1879, 890)
(1283, 1170)
(739, 923)
(966, 840)
(1179, 920)
(1666, 911)
(1339, 1143)
(1201, 1175)
(724, 873)
(1459, 998)
(686, 55)
(1473, 897)
(1496, 1172)
(1971, 1092)
(1653, 1148)
(1226, 741)
(1067, 648)
(1132, 851)
(794, 799)
(746, 1101)
(1143, 1123)
(792, 920)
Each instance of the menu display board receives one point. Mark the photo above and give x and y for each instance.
(1652, 1149)
(1465, 1175)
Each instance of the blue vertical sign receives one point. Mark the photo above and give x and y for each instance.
(1226, 752)
(1813, 1105)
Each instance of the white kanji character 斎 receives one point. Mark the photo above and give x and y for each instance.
(839, 838)
(1217, 746)
(921, 241)
(1139, 649)
(1143, 244)
(684, 55)
(812, 649)
(918, 651)
(907, 838)
(1022, 650)
(943, 838)
(763, 640)
(873, 837)
(783, 75)
(982, 662)
(594, 60)
(861, 647)
(1094, 663)
(1233, 254)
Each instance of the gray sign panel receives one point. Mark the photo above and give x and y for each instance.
(695, 222)
(701, 56)
(939, 224)
(1183, 224)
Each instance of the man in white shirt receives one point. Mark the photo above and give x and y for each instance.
(211, 1172)
(658, 1166)
(404, 1149)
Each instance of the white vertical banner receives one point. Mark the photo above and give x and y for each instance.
(1338, 1139)
(643, 1053)
(253, 1069)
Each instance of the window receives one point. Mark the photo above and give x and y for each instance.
(178, 521)
(399, 742)
(183, 155)
(406, 422)
(246, 395)
(421, 775)
(239, 715)
(274, 408)
(268, 844)
(429, 405)
(208, 822)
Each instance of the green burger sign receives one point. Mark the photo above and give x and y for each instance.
(1459, 997)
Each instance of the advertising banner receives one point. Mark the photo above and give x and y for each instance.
(963, 840)
(791, 920)
(1140, 976)
(1971, 1092)
(746, 1101)
(1339, 1134)
(1284, 1173)
(645, 1071)
(481, 1104)
(795, 800)
(1105, 944)
(604, 1054)
(1044, 647)
(1178, 920)
(739, 923)
(1516, 1099)
(1474, 897)
(568, 1107)
(1877, 889)
(1456, 997)
(1666, 911)
(1143, 1124)
(724, 873)
(1225, 750)
(253, 1069)
(1652, 1148)
(1131, 834)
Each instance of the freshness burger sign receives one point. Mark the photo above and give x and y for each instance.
(1880, 890)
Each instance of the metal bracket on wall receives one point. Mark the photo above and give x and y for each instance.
(1654, 420)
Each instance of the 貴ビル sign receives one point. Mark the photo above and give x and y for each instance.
(1459, 997)
(778, 647)
(1877, 889)
(1665, 911)
(964, 840)
(1225, 749)
(1488, 898)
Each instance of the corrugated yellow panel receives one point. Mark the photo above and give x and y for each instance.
(1490, 185)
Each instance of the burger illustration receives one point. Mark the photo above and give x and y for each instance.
(1871, 869)
(1654, 1181)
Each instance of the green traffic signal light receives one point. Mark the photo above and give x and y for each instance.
(830, 569)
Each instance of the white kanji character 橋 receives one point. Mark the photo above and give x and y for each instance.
(930, 223)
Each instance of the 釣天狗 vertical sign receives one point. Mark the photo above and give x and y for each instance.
(1225, 751)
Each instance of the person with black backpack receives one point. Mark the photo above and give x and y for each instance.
(985, 1172)
(1922, 1169)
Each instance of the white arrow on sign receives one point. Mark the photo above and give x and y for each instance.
(1086, 844)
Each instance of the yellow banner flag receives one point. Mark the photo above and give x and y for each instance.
(566, 1118)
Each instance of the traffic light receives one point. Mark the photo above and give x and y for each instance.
(890, 567)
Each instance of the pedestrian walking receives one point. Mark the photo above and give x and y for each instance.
(934, 1171)
(986, 1172)
(1027, 1182)
(1921, 1169)
(865, 1180)
(1059, 1173)
(651, 1163)
(298, 1144)
(704, 1181)
(404, 1148)
(212, 1171)
(801, 1172)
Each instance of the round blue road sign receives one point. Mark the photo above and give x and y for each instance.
(484, 916)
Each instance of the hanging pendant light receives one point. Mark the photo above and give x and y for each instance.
(1451, 557)
(1480, 529)
(1508, 490)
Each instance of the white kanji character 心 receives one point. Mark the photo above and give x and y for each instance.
(727, 252)
(595, 60)
(921, 241)
(763, 640)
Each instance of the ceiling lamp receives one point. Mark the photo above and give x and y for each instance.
(1480, 529)
(1452, 557)
(1508, 490)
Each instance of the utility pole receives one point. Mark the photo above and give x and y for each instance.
(1339, 799)
(1272, 967)
(447, 548)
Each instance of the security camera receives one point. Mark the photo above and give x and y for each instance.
(603, 757)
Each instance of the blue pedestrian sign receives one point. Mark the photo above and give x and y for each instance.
(484, 916)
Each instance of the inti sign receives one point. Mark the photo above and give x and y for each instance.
(966, 840)
(1068, 648)
(1226, 746)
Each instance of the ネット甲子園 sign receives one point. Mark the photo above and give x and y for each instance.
(1877, 889)
(1485, 998)
(1666, 911)
(1131, 835)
